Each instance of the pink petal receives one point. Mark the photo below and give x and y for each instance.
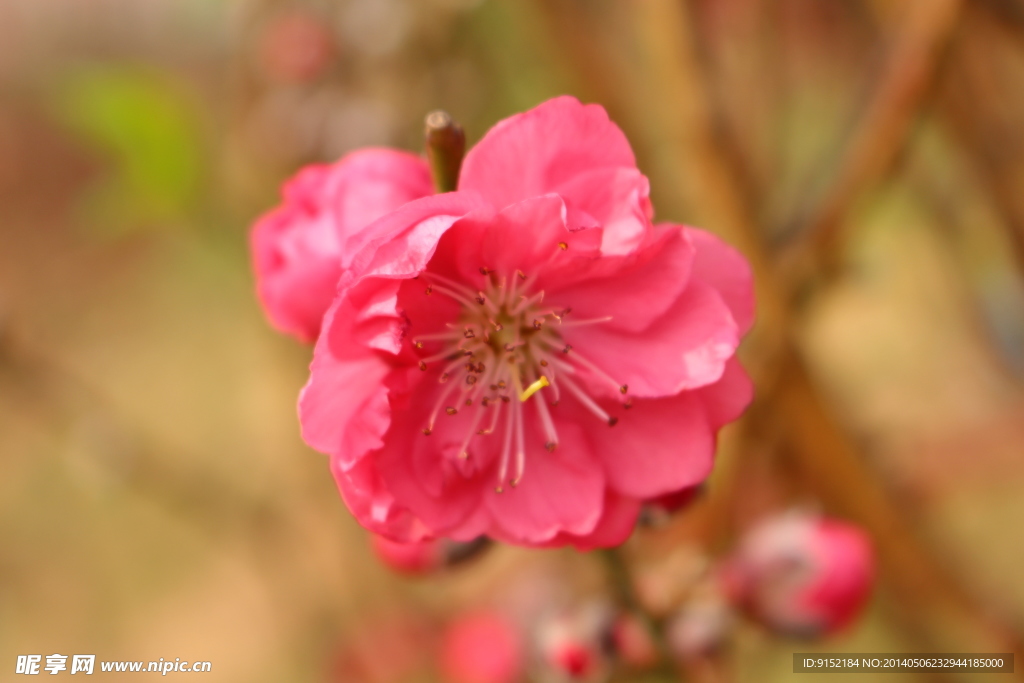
(344, 406)
(725, 400)
(300, 248)
(370, 183)
(561, 491)
(725, 269)
(616, 198)
(640, 289)
(618, 519)
(535, 152)
(296, 262)
(400, 244)
(685, 348)
(658, 446)
(373, 505)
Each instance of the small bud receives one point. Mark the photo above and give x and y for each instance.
(574, 644)
(801, 574)
(446, 146)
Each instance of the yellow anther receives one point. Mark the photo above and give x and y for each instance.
(534, 388)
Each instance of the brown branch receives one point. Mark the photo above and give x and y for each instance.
(882, 130)
(975, 110)
(683, 116)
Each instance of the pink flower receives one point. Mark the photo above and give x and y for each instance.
(481, 647)
(529, 357)
(300, 247)
(802, 574)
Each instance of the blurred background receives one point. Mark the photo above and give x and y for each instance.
(156, 499)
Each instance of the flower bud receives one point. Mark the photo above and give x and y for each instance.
(633, 642)
(482, 647)
(426, 556)
(801, 574)
(699, 628)
(575, 644)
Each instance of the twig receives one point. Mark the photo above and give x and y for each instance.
(882, 131)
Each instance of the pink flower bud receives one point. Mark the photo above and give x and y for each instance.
(633, 643)
(574, 644)
(802, 574)
(482, 647)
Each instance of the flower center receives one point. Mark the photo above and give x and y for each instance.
(506, 349)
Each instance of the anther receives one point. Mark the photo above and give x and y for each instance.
(624, 388)
(429, 290)
(563, 246)
(423, 365)
(470, 379)
(551, 446)
(485, 401)
(628, 404)
(543, 363)
(468, 333)
(521, 274)
(612, 421)
(484, 270)
(427, 431)
(537, 323)
(480, 298)
(501, 384)
(567, 349)
(418, 344)
(469, 401)
(451, 410)
(443, 378)
(498, 327)
(505, 399)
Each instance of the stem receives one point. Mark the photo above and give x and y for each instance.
(622, 584)
(446, 145)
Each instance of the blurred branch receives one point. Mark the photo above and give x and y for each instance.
(975, 111)
(787, 393)
(881, 133)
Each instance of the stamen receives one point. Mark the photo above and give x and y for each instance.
(588, 402)
(494, 417)
(581, 323)
(520, 446)
(548, 423)
(505, 448)
(457, 286)
(563, 246)
(582, 360)
(527, 302)
(464, 448)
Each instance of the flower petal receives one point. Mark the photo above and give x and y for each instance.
(638, 291)
(685, 348)
(659, 445)
(343, 408)
(725, 400)
(535, 152)
(618, 519)
(560, 491)
(725, 269)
